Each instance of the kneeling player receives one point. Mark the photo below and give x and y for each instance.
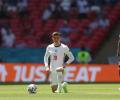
(57, 52)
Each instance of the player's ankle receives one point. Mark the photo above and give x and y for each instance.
(64, 84)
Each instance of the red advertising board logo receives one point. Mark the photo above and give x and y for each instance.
(73, 73)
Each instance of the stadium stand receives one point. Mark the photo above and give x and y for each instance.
(31, 31)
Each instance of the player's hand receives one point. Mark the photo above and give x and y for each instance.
(47, 69)
(64, 65)
(60, 69)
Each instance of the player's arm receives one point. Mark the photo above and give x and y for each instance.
(70, 56)
(70, 60)
(47, 55)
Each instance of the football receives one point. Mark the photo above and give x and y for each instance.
(32, 88)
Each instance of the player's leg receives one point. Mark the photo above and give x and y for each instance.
(54, 88)
(61, 84)
(64, 86)
(53, 80)
(59, 80)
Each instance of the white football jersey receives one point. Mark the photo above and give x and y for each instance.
(57, 55)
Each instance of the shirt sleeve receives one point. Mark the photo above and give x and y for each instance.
(47, 54)
(70, 55)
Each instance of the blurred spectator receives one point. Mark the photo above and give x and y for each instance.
(22, 4)
(65, 30)
(84, 57)
(83, 8)
(95, 9)
(3, 11)
(11, 5)
(58, 9)
(94, 24)
(22, 8)
(8, 38)
(103, 22)
(57, 12)
(65, 7)
(48, 12)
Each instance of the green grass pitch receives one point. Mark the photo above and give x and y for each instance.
(76, 92)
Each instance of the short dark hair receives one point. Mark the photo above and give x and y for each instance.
(56, 33)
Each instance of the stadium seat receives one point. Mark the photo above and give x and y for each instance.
(78, 38)
(74, 36)
(85, 22)
(92, 46)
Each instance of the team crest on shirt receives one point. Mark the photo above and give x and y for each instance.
(53, 52)
(56, 50)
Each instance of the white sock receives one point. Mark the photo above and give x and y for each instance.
(64, 86)
(64, 83)
(60, 79)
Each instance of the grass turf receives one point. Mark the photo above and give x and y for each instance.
(76, 92)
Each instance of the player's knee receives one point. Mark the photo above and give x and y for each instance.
(54, 88)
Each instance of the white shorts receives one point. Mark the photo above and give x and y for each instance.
(54, 77)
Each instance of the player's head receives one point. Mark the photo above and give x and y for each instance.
(56, 37)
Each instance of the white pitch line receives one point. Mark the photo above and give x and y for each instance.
(106, 93)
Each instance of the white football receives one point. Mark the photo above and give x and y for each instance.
(32, 88)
